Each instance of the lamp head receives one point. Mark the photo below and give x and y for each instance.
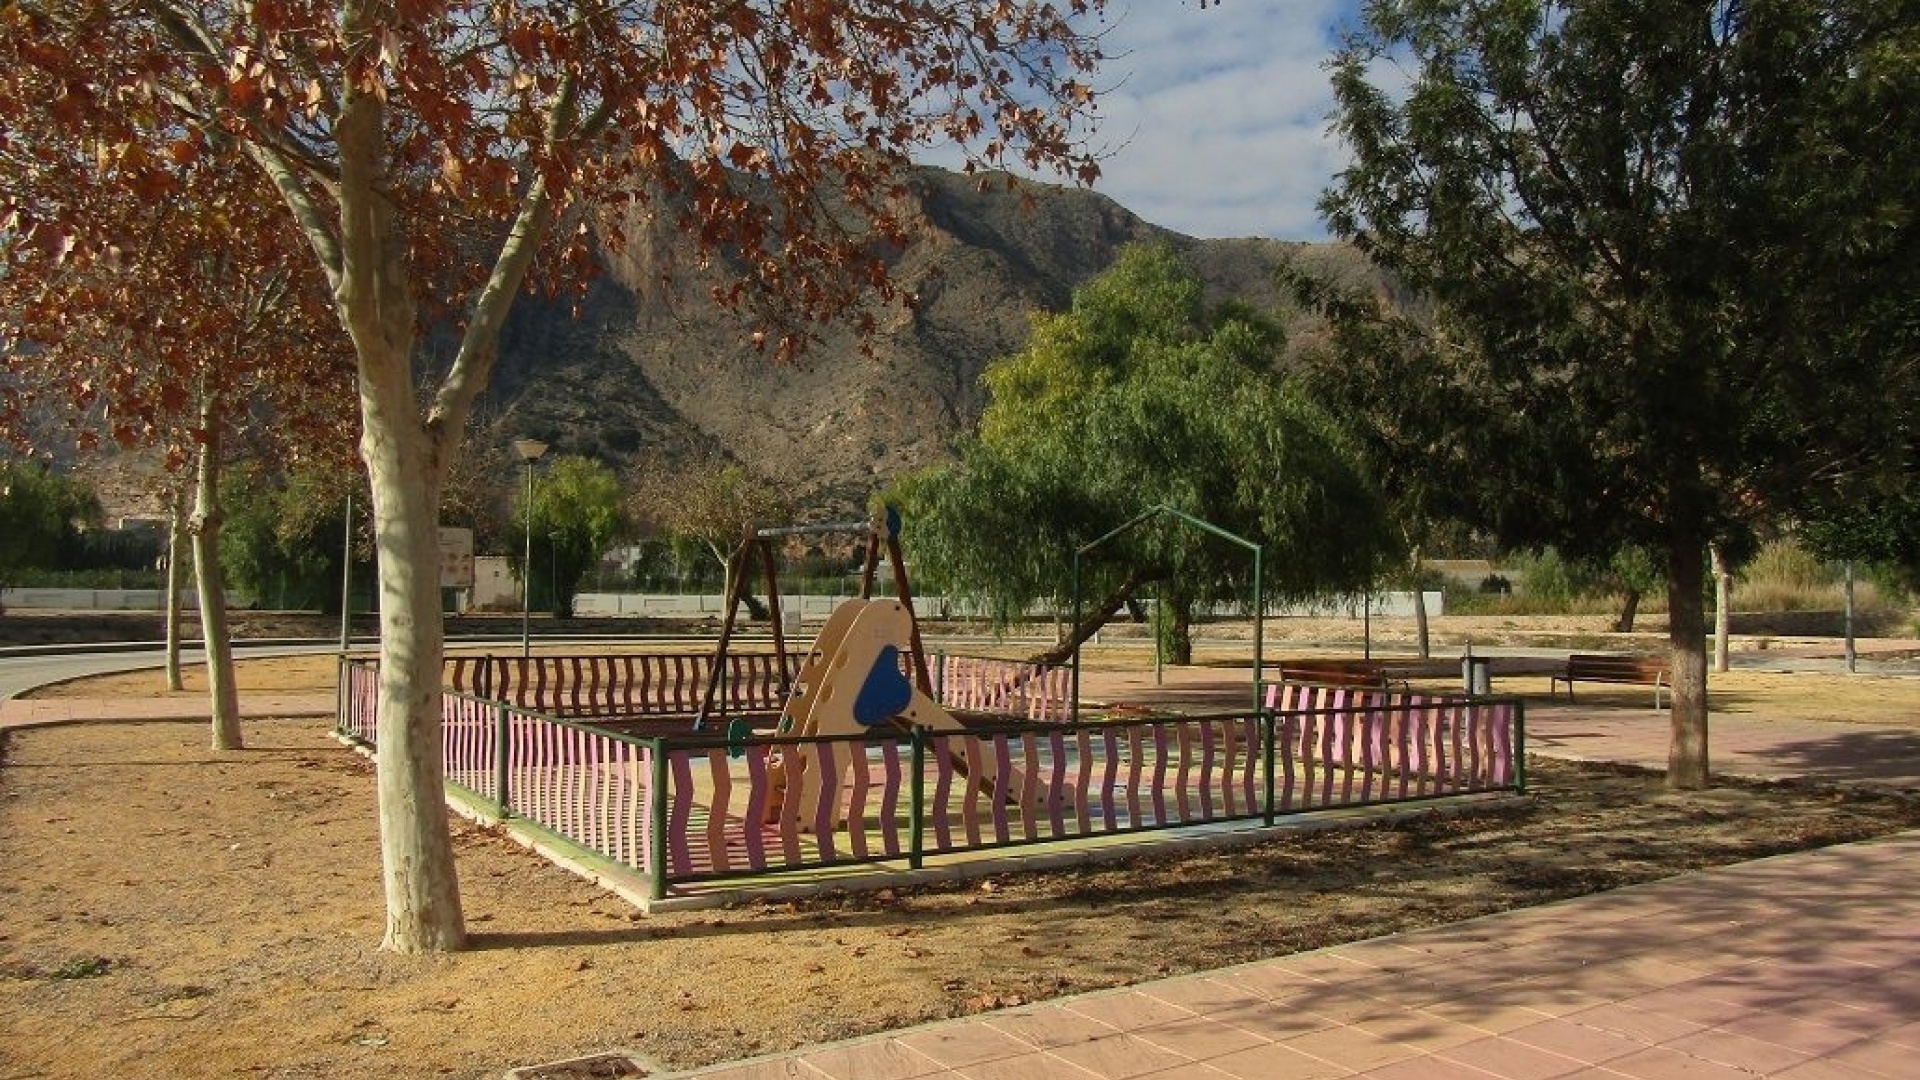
(529, 449)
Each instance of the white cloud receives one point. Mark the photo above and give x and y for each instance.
(1216, 120)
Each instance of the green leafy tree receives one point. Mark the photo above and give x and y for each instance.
(42, 514)
(286, 534)
(579, 511)
(1140, 395)
(1604, 202)
(1879, 529)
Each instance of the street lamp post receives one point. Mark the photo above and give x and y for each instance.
(529, 451)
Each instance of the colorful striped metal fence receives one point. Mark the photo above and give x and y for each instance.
(694, 807)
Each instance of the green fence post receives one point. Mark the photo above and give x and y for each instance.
(501, 774)
(1268, 728)
(657, 809)
(916, 800)
(1520, 746)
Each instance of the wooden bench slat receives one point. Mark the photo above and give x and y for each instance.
(1610, 668)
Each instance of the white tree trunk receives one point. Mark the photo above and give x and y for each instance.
(176, 550)
(405, 459)
(417, 861)
(1422, 634)
(223, 697)
(1722, 597)
(406, 450)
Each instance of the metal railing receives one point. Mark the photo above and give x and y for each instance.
(705, 807)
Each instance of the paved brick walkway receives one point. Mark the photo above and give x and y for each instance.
(37, 712)
(1803, 967)
(1882, 755)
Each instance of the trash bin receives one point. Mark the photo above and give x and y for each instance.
(1476, 674)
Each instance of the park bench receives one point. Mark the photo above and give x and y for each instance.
(1607, 668)
(1364, 674)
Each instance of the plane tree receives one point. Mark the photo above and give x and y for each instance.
(197, 334)
(1143, 394)
(1668, 245)
(438, 157)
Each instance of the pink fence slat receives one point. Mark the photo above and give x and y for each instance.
(1367, 754)
(1229, 750)
(1159, 783)
(827, 765)
(580, 762)
(1478, 717)
(679, 810)
(1503, 721)
(1253, 733)
(752, 821)
(1135, 756)
(1183, 770)
(890, 799)
(575, 767)
(940, 760)
(858, 793)
(1057, 783)
(531, 737)
(970, 792)
(1309, 756)
(1353, 732)
(794, 760)
(1329, 763)
(1456, 778)
(1082, 819)
(1419, 744)
(633, 811)
(1002, 793)
(574, 779)
(1030, 785)
(719, 808)
(1109, 777)
(1209, 759)
(644, 812)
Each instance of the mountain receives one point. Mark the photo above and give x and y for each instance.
(637, 366)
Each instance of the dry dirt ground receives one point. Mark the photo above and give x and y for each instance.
(169, 911)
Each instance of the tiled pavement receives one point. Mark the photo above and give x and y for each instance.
(1802, 967)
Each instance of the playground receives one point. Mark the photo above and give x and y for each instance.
(691, 779)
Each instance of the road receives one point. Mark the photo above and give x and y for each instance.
(23, 668)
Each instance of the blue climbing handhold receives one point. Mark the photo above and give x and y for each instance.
(885, 693)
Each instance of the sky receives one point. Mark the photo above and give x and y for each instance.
(1216, 120)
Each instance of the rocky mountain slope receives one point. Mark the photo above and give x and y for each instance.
(630, 370)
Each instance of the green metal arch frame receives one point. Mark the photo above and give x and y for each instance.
(1158, 510)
